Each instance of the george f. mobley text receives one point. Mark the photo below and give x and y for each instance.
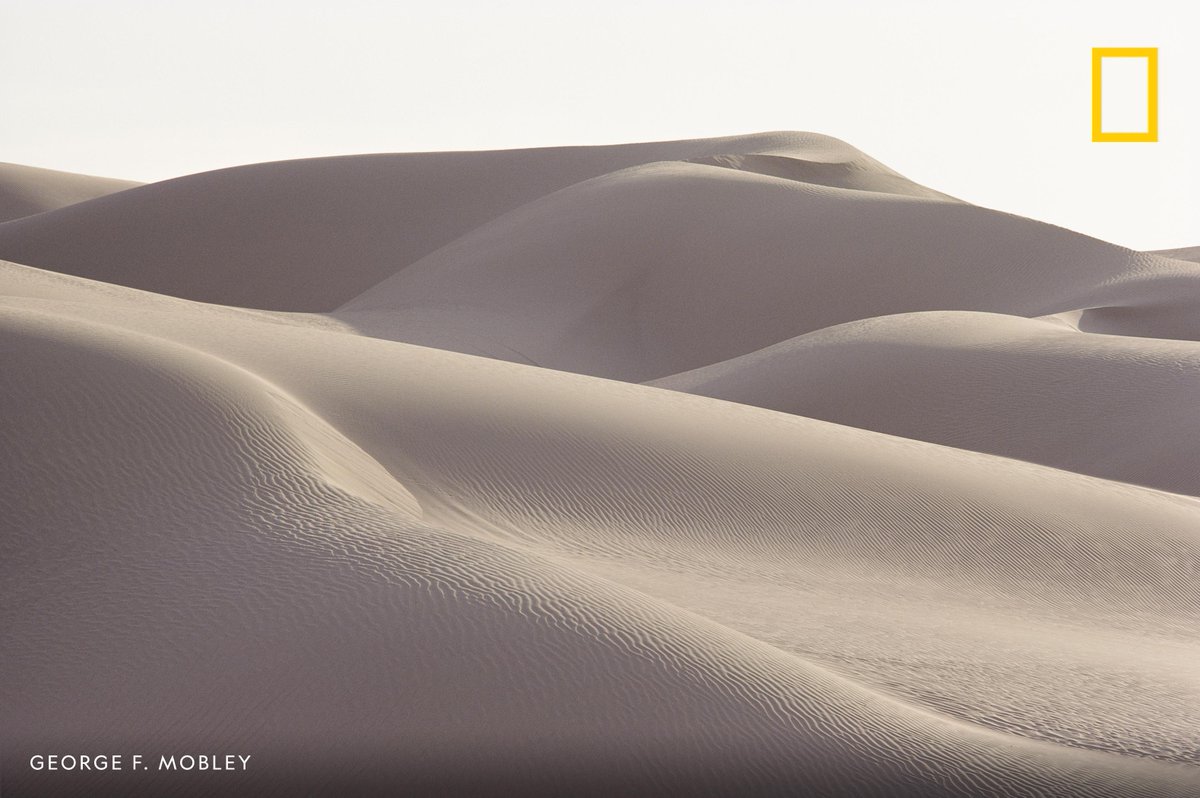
(114, 762)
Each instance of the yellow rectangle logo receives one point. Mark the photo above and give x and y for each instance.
(1148, 132)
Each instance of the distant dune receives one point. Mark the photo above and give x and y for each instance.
(26, 190)
(1185, 253)
(1113, 406)
(907, 507)
(309, 235)
(667, 267)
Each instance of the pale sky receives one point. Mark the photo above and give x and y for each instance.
(988, 102)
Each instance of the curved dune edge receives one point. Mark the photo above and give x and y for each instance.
(657, 582)
(29, 190)
(1182, 253)
(666, 267)
(309, 235)
(1111, 406)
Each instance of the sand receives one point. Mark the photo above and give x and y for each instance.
(737, 466)
(1183, 253)
(27, 190)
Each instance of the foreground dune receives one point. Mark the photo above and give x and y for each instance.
(380, 566)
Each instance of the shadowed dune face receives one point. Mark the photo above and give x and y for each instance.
(872, 530)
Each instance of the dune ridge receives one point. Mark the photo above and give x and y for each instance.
(275, 235)
(899, 511)
(1107, 405)
(29, 190)
(1183, 253)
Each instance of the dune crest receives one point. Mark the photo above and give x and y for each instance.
(308, 235)
(1112, 406)
(28, 190)
(1183, 253)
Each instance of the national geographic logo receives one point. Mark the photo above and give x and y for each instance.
(1125, 94)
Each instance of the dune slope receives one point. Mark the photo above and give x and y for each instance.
(376, 537)
(309, 235)
(1183, 253)
(1112, 406)
(666, 267)
(26, 190)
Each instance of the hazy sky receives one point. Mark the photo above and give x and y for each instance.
(986, 101)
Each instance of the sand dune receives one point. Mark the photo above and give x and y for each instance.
(1112, 406)
(26, 190)
(386, 567)
(667, 267)
(1184, 253)
(312, 234)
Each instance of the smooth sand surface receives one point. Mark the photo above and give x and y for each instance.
(26, 190)
(309, 235)
(1112, 406)
(902, 512)
(667, 267)
(1183, 253)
